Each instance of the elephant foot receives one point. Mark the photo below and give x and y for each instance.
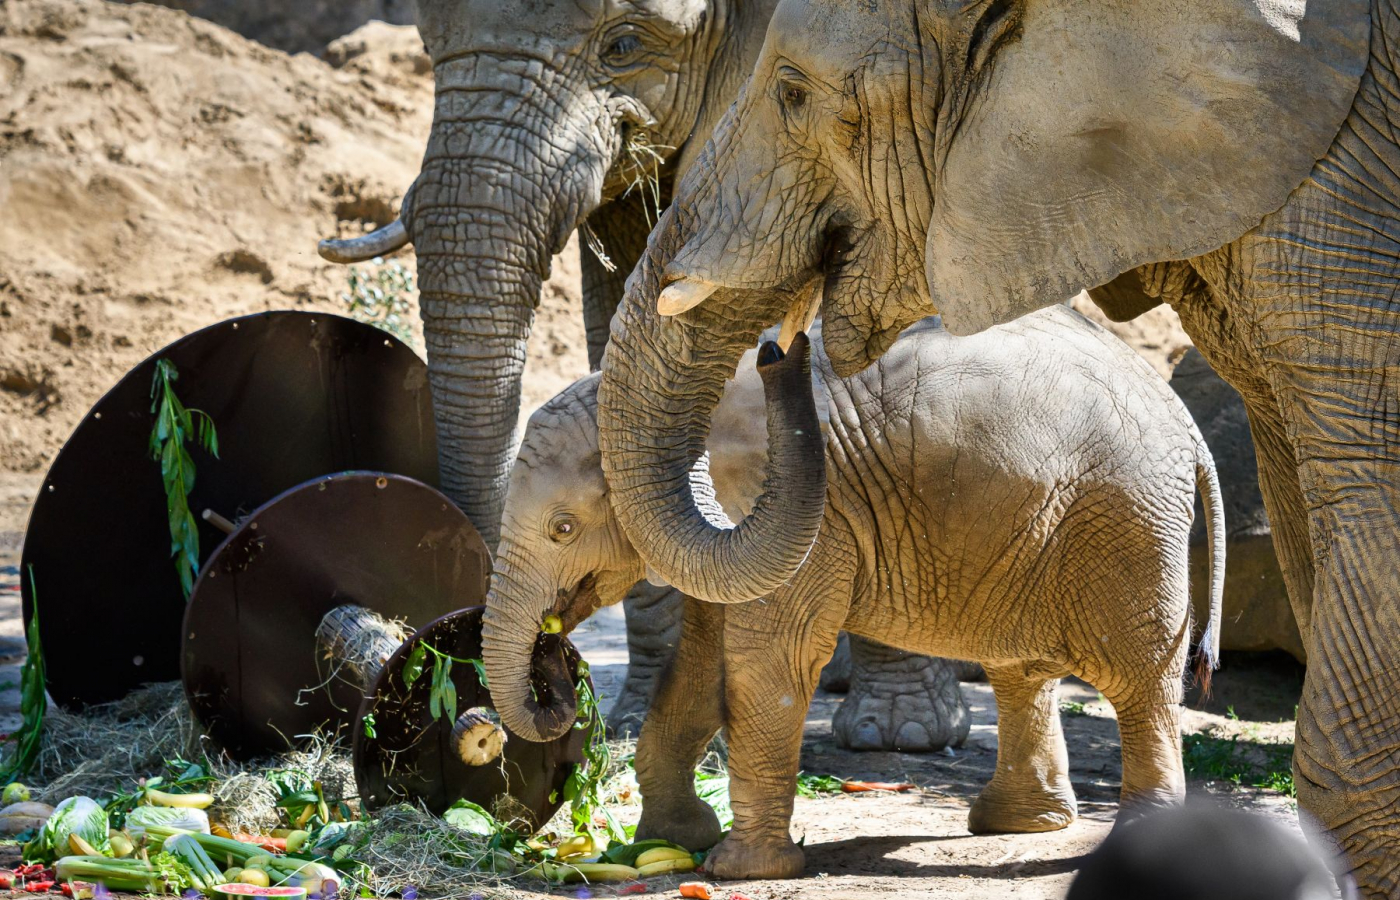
(630, 710)
(836, 674)
(899, 701)
(1006, 810)
(1138, 806)
(688, 821)
(738, 858)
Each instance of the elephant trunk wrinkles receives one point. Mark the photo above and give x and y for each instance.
(662, 379)
(526, 671)
(488, 211)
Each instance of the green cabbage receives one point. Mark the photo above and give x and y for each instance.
(142, 817)
(82, 816)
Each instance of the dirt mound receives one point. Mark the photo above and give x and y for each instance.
(159, 173)
(295, 25)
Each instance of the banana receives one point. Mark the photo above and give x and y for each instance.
(667, 867)
(598, 872)
(185, 801)
(578, 845)
(660, 854)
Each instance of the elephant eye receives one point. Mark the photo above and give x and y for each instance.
(793, 96)
(622, 49)
(563, 528)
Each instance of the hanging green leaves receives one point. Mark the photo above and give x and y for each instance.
(175, 424)
(442, 698)
(33, 702)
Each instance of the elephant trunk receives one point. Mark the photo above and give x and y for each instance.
(662, 379)
(501, 188)
(526, 671)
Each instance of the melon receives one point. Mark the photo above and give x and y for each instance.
(252, 890)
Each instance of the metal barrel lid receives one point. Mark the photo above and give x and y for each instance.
(252, 671)
(293, 395)
(407, 755)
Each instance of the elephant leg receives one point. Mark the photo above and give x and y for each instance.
(836, 674)
(688, 712)
(1149, 728)
(900, 701)
(1030, 790)
(773, 654)
(654, 617)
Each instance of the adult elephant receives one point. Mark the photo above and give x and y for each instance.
(551, 116)
(983, 158)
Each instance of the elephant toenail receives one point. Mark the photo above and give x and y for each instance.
(913, 736)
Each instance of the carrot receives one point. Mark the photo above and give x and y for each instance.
(858, 787)
(275, 845)
(697, 890)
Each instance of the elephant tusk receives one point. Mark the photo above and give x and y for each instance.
(678, 296)
(800, 317)
(377, 243)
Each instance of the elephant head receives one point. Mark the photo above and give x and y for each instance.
(974, 158)
(537, 104)
(562, 552)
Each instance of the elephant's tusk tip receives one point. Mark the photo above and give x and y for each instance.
(679, 296)
(380, 242)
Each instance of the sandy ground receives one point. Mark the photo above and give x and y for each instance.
(159, 174)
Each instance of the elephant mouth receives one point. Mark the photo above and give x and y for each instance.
(577, 603)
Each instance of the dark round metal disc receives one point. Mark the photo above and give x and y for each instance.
(407, 755)
(253, 674)
(293, 395)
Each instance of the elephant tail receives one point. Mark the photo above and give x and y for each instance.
(1208, 650)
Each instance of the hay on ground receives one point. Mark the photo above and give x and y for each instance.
(108, 748)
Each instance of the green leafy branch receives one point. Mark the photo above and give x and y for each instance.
(442, 698)
(583, 788)
(33, 702)
(175, 425)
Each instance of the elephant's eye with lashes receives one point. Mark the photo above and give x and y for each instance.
(563, 528)
(622, 49)
(794, 96)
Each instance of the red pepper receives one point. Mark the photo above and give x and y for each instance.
(637, 888)
(39, 887)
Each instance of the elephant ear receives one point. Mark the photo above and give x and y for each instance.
(1105, 135)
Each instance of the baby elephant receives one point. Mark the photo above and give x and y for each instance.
(1022, 497)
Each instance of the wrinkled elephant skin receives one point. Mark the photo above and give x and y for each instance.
(985, 158)
(1035, 519)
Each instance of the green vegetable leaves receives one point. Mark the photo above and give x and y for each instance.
(442, 702)
(173, 427)
(442, 698)
(76, 815)
(33, 702)
(471, 818)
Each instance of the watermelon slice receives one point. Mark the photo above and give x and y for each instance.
(252, 890)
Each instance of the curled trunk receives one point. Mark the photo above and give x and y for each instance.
(526, 671)
(662, 378)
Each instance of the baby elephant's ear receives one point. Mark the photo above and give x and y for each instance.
(1105, 135)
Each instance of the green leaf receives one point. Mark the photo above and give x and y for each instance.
(449, 700)
(471, 818)
(413, 666)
